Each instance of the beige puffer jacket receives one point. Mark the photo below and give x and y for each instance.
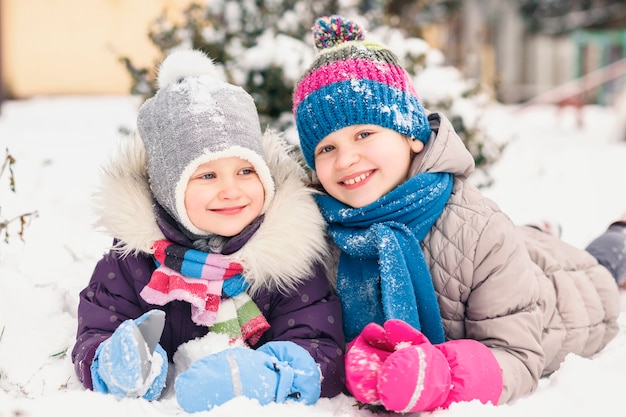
(529, 297)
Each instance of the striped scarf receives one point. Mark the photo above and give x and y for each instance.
(212, 284)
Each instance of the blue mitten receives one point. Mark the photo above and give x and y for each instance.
(131, 363)
(220, 377)
(300, 379)
(273, 373)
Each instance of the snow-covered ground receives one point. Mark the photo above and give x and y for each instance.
(551, 169)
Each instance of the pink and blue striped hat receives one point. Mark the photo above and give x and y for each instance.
(353, 81)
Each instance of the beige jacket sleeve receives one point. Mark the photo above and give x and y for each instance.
(488, 287)
(502, 309)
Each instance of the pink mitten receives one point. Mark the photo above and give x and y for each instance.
(417, 376)
(476, 374)
(420, 376)
(400, 332)
(364, 358)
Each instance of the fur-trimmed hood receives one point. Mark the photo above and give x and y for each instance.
(280, 254)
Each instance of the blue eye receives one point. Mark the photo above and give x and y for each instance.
(326, 149)
(363, 135)
(247, 171)
(208, 176)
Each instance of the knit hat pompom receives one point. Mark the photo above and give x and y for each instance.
(333, 30)
(353, 81)
(183, 63)
(195, 118)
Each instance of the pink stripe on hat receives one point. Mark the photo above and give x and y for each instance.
(353, 69)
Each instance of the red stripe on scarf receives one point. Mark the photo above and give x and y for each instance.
(254, 329)
(212, 302)
(168, 284)
(159, 250)
(232, 270)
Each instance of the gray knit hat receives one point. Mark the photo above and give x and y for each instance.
(193, 119)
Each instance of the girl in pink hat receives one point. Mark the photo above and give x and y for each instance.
(444, 299)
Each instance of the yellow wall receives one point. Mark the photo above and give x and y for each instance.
(56, 47)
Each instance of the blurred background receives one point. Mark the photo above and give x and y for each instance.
(519, 48)
(463, 54)
(66, 47)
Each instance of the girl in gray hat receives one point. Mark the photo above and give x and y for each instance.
(215, 235)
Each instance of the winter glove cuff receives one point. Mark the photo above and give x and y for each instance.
(474, 370)
(125, 365)
(157, 385)
(299, 376)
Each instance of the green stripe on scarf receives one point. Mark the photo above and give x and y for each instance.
(238, 315)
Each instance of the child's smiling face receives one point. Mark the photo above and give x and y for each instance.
(360, 163)
(224, 196)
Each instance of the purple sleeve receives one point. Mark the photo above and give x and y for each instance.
(109, 299)
(310, 317)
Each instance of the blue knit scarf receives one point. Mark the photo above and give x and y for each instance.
(382, 271)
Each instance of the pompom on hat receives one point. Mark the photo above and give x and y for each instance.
(195, 118)
(353, 81)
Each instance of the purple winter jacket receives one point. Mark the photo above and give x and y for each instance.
(283, 255)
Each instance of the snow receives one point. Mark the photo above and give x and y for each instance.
(551, 169)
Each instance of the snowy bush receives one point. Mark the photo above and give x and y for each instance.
(264, 46)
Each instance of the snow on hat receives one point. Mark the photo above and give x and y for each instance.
(196, 118)
(353, 81)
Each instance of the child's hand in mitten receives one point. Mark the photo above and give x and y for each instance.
(277, 371)
(364, 359)
(420, 376)
(300, 378)
(381, 370)
(416, 377)
(131, 363)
